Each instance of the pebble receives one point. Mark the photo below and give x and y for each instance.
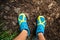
(5, 17)
(53, 14)
(12, 0)
(51, 4)
(13, 23)
(7, 8)
(57, 15)
(17, 10)
(37, 8)
(48, 18)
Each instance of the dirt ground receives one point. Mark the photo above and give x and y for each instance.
(10, 9)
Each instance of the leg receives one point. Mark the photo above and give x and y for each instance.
(41, 36)
(40, 27)
(22, 20)
(22, 36)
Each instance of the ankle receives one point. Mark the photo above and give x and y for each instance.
(40, 34)
(25, 31)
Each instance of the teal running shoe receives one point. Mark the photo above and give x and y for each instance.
(22, 20)
(41, 22)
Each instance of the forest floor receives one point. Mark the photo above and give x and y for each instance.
(10, 9)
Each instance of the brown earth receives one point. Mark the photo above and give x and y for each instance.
(10, 9)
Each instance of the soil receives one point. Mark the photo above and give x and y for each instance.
(50, 9)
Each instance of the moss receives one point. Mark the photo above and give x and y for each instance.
(6, 36)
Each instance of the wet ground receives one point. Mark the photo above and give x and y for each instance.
(50, 9)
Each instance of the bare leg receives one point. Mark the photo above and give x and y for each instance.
(22, 36)
(41, 36)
